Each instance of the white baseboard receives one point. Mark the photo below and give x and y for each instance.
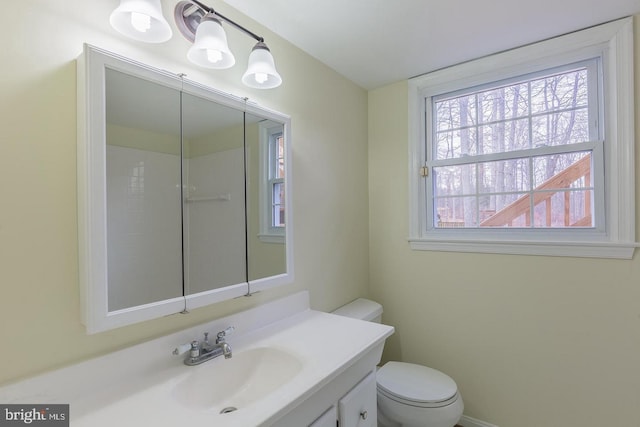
(472, 422)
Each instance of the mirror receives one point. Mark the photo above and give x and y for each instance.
(214, 221)
(181, 193)
(266, 195)
(143, 191)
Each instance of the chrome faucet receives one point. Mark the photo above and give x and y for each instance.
(201, 352)
(222, 343)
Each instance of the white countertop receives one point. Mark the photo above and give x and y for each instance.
(136, 386)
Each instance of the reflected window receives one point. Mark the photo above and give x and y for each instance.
(276, 179)
(272, 209)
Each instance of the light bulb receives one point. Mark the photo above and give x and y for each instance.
(261, 77)
(140, 21)
(214, 55)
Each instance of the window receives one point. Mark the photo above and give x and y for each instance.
(276, 180)
(528, 151)
(272, 153)
(517, 154)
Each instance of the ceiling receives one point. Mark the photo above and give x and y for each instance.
(376, 42)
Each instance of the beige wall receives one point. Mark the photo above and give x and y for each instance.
(39, 305)
(532, 341)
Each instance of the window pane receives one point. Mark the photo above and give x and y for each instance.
(278, 205)
(560, 92)
(504, 192)
(568, 127)
(504, 136)
(558, 171)
(547, 111)
(456, 143)
(505, 210)
(504, 176)
(504, 103)
(454, 180)
(564, 209)
(280, 173)
(453, 212)
(278, 215)
(455, 113)
(562, 192)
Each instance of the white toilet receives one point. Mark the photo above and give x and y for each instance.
(409, 395)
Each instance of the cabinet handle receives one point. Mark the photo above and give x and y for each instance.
(363, 415)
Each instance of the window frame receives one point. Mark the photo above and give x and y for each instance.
(614, 235)
(269, 131)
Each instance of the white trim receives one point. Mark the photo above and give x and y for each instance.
(575, 249)
(202, 299)
(613, 42)
(92, 198)
(466, 421)
(622, 158)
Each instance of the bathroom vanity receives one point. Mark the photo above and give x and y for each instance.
(291, 366)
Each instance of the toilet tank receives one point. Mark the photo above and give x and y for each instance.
(362, 309)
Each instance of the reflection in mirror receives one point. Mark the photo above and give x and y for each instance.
(143, 191)
(214, 209)
(265, 188)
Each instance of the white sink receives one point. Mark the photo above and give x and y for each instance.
(281, 359)
(226, 385)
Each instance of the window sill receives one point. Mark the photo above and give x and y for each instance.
(271, 238)
(614, 250)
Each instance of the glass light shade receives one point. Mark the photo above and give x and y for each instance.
(141, 20)
(261, 72)
(210, 48)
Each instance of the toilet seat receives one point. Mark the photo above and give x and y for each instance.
(423, 405)
(416, 385)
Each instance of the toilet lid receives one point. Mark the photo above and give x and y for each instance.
(416, 383)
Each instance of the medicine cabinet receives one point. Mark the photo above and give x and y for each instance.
(183, 193)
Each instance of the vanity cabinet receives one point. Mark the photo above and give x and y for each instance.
(349, 400)
(328, 419)
(358, 408)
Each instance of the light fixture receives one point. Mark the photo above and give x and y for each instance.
(210, 48)
(261, 72)
(142, 20)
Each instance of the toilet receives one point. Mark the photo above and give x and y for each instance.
(409, 395)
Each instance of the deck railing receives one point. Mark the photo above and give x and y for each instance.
(543, 194)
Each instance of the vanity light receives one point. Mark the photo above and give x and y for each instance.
(210, 48)
(143, 20)
(261, 72)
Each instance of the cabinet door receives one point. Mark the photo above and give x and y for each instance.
(328, 419)
(358, 407)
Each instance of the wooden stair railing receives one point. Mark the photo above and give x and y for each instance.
(562, 180)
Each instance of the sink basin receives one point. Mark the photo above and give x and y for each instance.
(224, 385)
